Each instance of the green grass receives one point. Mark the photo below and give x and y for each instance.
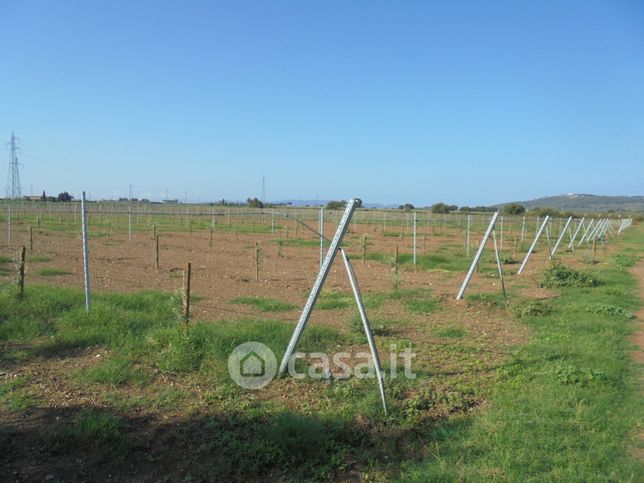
(51, 272)
(330, 299)
(416, 301)
(15, 396)
(561, 407)
(451, 260)
(264, 304)
(91, 429)
(300, 242)
(37, 258)
(115, 372)
(565, 408)
(451, 332)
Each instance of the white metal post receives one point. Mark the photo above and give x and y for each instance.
(534, 244)
(500, 267)
(414, 238)
(501, 238)
(9, 224)
(467, 236)
(470, 272)
(319, 282)
(367, 328)
(129, 223)
(572, 241)
(85, 249)
(586, 231)
(561, 235)
(321, 236)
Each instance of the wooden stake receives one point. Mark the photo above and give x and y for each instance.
(364, 249)
(594, 245)
(21, 274)
(186, 292)
(514, 250)
(256, 262)
(210, 241)
(31, 238)
(156, 249)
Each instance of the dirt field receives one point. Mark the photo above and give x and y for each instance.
(223, 270)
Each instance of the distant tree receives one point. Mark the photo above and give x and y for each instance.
(544, 212)
(44, 196)
(64, 196)
(407, 207)
(483, 209)
(513, 209)
(254, 203)
(440, 208)
(465, 209)
(335, 205)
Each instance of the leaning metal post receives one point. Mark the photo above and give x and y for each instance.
(319, 282)
(367, 328)
(561, 235)
(572, 241)
(477, 256)
(500, 267)
(534, 244)
(586, 231)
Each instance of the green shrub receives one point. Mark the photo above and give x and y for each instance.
(559, 275)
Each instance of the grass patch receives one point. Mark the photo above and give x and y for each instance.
(531, 308)
(566, 406)
(454, 261)
(609, 310)
(264, 304)
(52, 272)
(451, 332)
(37, 258)
(115, 372)
(92, 430)
(14, 395)
(330, 299)
(485, 298)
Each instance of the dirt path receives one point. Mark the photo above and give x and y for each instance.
(638, 339)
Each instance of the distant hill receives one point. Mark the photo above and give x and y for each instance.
(584, 202)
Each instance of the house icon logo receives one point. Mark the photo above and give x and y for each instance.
(252, 365)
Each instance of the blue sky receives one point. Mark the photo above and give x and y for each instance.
(462, 102)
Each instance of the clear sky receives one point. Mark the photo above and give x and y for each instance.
(464, 102)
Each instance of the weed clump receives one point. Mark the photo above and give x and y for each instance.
(560, 275)
(624, 261)
(531, 308)
(608, 310)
